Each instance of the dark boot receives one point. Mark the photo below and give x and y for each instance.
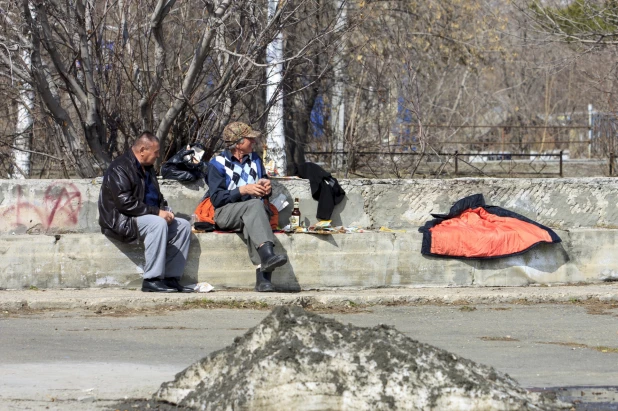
(174, 283)
(269, 259)
(156, 285)
(262, 281)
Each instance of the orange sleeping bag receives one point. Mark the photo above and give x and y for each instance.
(474, 230)
(205, 212)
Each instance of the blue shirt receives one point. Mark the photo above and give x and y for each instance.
(151, 195)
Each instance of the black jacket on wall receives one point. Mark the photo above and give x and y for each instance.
(324, 188)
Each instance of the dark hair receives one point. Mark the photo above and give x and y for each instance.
(145, 137)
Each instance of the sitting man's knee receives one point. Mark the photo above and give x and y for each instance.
(253, 207)
(183, 224)
(159, 224)
(255, 202)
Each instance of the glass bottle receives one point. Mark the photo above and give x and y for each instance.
(295, 217)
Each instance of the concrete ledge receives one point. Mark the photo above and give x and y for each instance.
(367, 260)
(50, 238)
(111, 300)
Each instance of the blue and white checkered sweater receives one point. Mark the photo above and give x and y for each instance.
(237, 174)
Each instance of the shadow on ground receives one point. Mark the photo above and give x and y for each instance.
(583, 398)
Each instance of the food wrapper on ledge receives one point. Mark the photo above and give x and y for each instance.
(323, 227)
(352, 229)
(280, 202)
(390, 230)
(202, 287)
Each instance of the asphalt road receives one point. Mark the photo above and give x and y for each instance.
(75, 360)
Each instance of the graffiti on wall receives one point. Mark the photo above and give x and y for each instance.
(58, 208)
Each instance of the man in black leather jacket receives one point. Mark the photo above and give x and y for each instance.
(132, 208)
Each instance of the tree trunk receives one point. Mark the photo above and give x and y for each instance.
(94, 125)
(71, 146)
(298, 108)
(156, 26)
(189, 83)
(23, 131)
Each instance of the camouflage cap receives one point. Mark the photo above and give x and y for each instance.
(237, 130)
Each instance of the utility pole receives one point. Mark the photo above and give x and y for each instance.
(275, 158)
(589, 131)
(337, 99)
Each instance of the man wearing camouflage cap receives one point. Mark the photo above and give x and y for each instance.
(237, 186)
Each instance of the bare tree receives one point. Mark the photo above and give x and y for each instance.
(416, 78)
(103, 71)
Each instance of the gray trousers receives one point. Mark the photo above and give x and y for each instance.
(250, 217)
(166, 246)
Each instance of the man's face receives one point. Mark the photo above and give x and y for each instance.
(149, 154)
(246, 146)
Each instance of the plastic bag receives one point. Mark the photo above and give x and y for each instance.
(186, 165)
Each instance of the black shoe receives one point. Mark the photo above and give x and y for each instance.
(269, 259)
(262, 282)
(174, 283)
(157, 286)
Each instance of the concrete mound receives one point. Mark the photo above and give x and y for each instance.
(301, 361)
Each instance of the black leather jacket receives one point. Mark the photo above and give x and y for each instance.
(122, 198)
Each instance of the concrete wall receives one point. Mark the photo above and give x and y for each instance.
(315, 261)
(70, 252)
(70, 206)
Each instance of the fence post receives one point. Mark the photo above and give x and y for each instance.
(560, 163)
(456, 162)
(611, 164)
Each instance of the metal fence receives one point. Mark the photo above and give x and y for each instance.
(381, 164)
(612, 172)
(535, 146)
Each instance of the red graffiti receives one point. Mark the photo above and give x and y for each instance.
(60, 207)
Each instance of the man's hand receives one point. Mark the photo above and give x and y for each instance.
(256, 190)
(167, 216)
(264, 182)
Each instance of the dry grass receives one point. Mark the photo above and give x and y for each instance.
(507, 338)
(599, 348)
